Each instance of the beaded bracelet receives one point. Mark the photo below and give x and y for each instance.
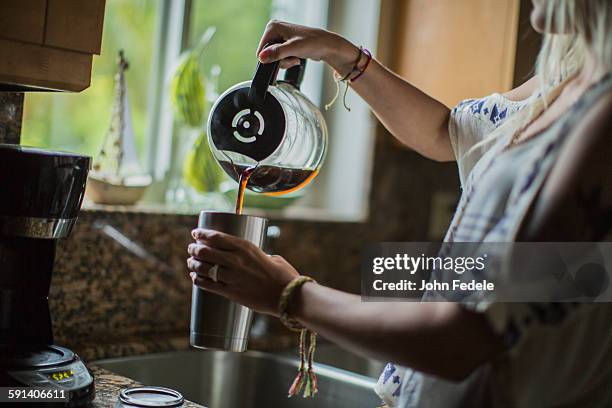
(306, 379)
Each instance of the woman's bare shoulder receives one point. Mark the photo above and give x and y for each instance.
(522, 91)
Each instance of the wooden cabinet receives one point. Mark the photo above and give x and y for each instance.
(453, 49)
(75, 25)
(23, 20)
(49, 44)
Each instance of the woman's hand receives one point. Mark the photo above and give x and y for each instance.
(413, 117)
(245, 273)
(289, 42)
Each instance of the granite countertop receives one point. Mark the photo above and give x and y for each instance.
(109, 385)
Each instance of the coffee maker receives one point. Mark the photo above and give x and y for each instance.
(41, 193)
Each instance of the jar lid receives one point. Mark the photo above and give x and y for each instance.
(146, 397)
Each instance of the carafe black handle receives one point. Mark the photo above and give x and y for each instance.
(295, 74)
(265, 75)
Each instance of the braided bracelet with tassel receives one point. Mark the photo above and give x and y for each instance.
(306, 379)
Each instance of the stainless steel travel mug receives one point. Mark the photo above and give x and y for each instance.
(217, 323)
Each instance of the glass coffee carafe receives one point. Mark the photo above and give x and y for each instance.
(269, 129)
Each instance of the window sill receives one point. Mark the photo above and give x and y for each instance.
(290, 213)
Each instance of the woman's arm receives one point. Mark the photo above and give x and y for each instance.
(442, 339)
(414, 118)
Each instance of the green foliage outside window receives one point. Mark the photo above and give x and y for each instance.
(240, 24)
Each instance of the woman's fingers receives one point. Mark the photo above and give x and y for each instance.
(213, 256)
(289, 62)
(281, 41)
(284, 42)
(273, 52)
(209, 285)
(198, 267)
(218, 239)
(202, 270)
(292, 48)
(275, 32)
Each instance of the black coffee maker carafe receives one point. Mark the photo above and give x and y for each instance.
(269, 125)
(41, 193)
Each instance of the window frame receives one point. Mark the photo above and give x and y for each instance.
(328, 199)
(171, 39)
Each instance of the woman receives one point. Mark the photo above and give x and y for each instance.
(536, 170)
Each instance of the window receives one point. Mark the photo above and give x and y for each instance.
(239, 25)
(153, 33)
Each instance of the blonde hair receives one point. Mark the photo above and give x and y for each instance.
(582, 26)
(573, 29)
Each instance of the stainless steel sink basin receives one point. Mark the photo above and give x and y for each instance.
(335, 356)
(243, 380)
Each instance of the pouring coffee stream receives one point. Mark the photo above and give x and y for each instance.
(245, 175)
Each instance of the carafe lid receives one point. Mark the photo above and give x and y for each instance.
(249, 120)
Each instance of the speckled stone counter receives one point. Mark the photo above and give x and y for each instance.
(109, 385)
(121, 287)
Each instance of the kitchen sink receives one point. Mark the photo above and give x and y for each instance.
(218, 379)
(330, 354)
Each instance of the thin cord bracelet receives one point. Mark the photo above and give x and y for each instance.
(361, 71)
(355, 66)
